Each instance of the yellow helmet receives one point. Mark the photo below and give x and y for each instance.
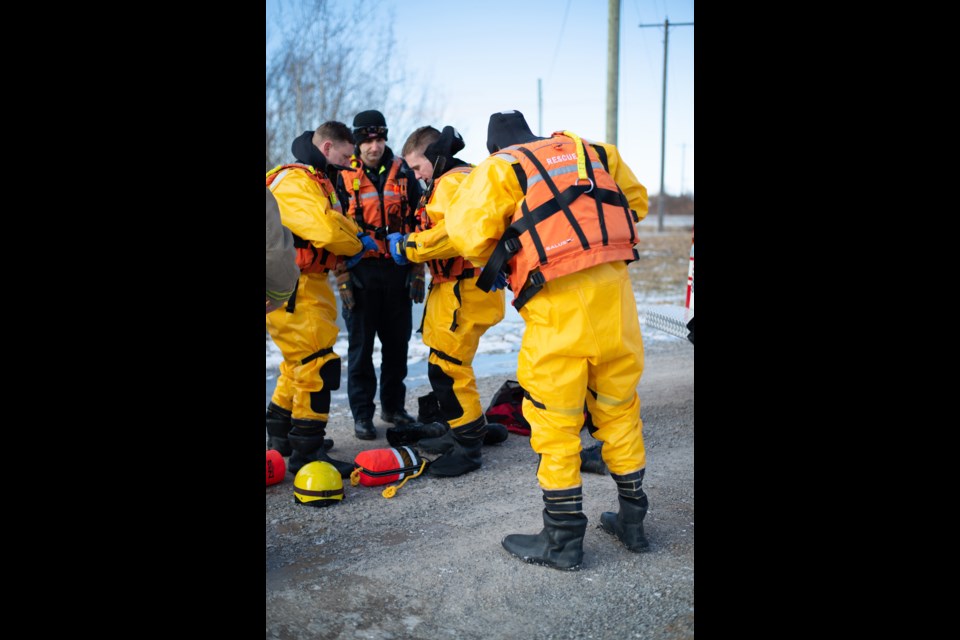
(318, 484)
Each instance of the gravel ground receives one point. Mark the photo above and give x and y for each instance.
(428, 562)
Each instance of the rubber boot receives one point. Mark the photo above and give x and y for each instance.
(406, 435)
(560, 544)
(306, 439)
(464, 456)
(591, 460)
(278, 426)
(627, 525)
(441, 444)
(429, 409)
(496, 433)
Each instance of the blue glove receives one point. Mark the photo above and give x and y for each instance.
(500, 282)
(397, 242)
(368, 245)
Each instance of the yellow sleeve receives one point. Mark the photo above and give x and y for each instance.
(307, 212)
(635, 192)
(434, 243)
(481, 209)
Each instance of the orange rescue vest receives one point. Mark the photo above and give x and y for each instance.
(452, 268)
(562, 176)
(375, 215)
(309, 259)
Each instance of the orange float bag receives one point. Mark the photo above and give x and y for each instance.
(376, 467)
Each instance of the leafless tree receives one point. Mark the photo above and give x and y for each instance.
(331, 61)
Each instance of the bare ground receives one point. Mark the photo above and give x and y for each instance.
(428, 562)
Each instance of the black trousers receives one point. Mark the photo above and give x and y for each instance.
(382, 308)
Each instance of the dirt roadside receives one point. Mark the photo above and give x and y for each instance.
(428, 562)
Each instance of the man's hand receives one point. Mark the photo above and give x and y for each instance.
(368, 245)
(415, 281)
(345, 287)
(397, 243)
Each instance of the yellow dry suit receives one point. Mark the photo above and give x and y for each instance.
(457, 313)
(559, 215)
(306, 330)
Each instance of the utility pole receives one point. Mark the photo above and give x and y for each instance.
(539, 107)
(613, 67)
(663, 107)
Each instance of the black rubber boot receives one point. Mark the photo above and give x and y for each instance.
(441, 444)
(627, 525)
(429, 409)
(306, 439)
(400, 418)
(496, 433)
(464, 456)
(591, 460)
(406, 435)
(278, 426)
(364, 430)
(560, 544)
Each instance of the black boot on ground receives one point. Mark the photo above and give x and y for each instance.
(464, 456)
(400, 418)
(496, 433)
(627, 525)
(560, 544)
(440, 444)
(406, 435)
(364, 430)
(306, 439)
(278, 426)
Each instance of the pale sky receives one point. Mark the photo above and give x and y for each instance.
(483, 57)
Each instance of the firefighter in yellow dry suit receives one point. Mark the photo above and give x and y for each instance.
(558, 216)
(456, 313)
(306, 330)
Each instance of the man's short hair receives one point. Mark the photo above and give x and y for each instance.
(419, 140)
(333, 131)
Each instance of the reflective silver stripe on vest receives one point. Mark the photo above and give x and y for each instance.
(506, 156)
(390, 193)
(553, 173)
(280, 176)
(365, 196)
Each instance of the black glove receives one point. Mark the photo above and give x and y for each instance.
(345, 287)
(415, 281)
(448, 145)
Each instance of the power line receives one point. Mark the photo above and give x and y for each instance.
(556, 51)
(553, 63)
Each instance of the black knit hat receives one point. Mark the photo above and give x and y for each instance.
(507, 128)
(447, 145)
(369, 125)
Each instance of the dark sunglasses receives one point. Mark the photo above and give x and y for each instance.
(370, 132)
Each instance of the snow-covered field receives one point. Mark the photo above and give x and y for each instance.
(503, 338)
